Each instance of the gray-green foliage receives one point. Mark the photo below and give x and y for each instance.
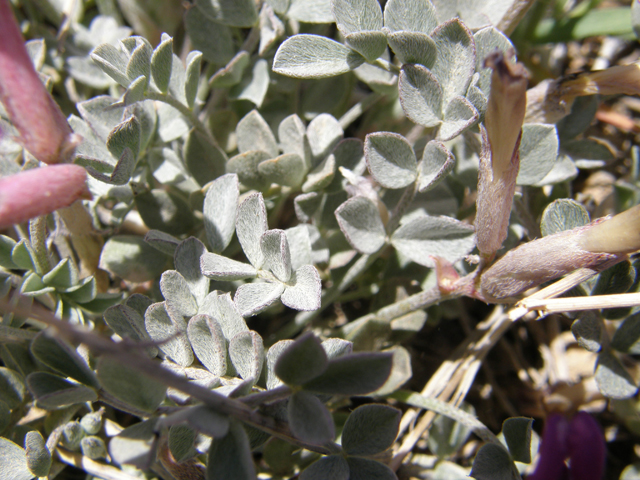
(254, 200)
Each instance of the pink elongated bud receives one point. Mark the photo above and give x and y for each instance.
(499, 159)
(550, 257)
(44, 130)
(40, 191)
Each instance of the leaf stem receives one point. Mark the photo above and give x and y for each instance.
(387, 66)
(38, 239)
(184, 110)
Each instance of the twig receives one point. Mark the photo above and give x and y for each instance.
(571, 304)
(124, 354)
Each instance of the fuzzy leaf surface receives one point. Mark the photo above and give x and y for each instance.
(309, 419)
(303, 360)
(370, 429)
(220, 206)
(390, 159)
(359, 220)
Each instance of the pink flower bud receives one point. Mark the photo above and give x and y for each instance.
(44, 131)
(550, 257)
(499, 159)
(40, 191)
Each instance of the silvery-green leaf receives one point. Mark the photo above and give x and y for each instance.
(410, 16)
(446, 435)
(324, 132)
(128, 323)
(140, 51)
(360, 221)
(306, 293)
(230, 456)
(401, 371)
(255, 86)
(208, 343)
(314, 56)
(235, 13)
(165, 211)
(627, 336)
(613, 380)
(181, 442)
(390, 159)
(169, 169)
(187, 261)
(131, 258)
(171, 331)
(493, 462)
(456, 59)
(134, 445)
(321, 176)
(331, 466)
(367, 469)
(277, 256)
(293, 140)
(245, 165)
(22, 255)
(588, 153)
(12, 387)
(421, 95)
(306, 205)
(246, 352)
(252, 298)
(52, 392)
(254, 133)
(337, 347)
(14, 461)
(310, 11)
(488, 40)
(271, 29)
(228, 316)
(214, 40)
(171, 124)
(204, 160)
(615, 280)
(177, 294)
(192, 76)
(309, 420)
(437, 163)
(63, 275)
(476, 97)
(6, 246)
(370, 429)
(349, 154)
(38, 455)
(112, 61)
(251, 223)
(563, 214)
(273, 354)
(201, 418)
(161, 61)
(424, 236)
(355, 374)
(301, 361)
(538, 152)
(219, 267)
(288, 169)
(370, 44)
(459, 115)
(564, 169)
(587, 330)
(83, 292)
(100, 113)
(32, 285)
(231, 74)
(299, 246)
(129, 385)
(220, 205)
(135, 92)
(413, 47)
(278, 6)
(356, 16)
(517, 434)
(377, 79)
(61, 358)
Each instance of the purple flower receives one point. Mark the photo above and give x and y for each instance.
(580, 440)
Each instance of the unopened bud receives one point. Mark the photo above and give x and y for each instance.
(499, 159)
(93, 447)
(40, 191)
(548, 258)
(44, 131)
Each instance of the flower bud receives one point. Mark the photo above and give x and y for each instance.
(93, 447)
(72, 435)
(499, 159)
(550, 257)
(39, 191)
(44, 130)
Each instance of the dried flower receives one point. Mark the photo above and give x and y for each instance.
(40, 191)
(550, 257)
(499, 159)
(580, 440)
(44, 131)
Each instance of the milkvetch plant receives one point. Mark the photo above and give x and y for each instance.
(243, 176)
